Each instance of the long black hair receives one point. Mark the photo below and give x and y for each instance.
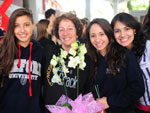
(139, 39)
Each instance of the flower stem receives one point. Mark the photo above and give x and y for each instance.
(77, 81)
(97, 90)
(65, 87)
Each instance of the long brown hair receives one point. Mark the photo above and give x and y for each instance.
(9, 49)
(115, 53)
(42, 26)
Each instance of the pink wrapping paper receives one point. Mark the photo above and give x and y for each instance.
(82, 104)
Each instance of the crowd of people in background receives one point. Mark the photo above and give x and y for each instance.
(115, 61)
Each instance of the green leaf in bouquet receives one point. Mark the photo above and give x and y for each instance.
(67, 105)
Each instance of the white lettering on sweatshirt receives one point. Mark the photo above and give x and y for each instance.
(23, 70)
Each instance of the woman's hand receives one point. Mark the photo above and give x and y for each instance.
(104, 101)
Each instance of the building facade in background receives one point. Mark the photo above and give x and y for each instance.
(83, 8)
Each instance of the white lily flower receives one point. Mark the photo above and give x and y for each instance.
(81, 56)
(73, 61)
(53, 62)
(74, 45)
(63, 53)
(72, 52)
(65, 70)
(83, 49)
(82, 65)
(62, 61)
(56, 79)
(55, 71)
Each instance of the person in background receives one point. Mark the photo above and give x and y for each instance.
(128, 34)
(85, 23)
(50, 15)
(43, 30)
(118, 75)
(67, 28)
(20, 66)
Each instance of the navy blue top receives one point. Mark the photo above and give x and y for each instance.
(124, 89)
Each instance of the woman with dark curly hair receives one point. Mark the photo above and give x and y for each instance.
(128, 34)
(67, 28)
(118, 74)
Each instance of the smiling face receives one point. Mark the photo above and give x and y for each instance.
(99, 39)
(124, 35)
(23, 30)
(67, 33)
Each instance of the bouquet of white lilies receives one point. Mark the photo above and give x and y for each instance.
(76, 60)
